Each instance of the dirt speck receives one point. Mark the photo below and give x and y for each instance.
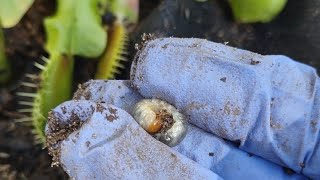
(100, 89)
(274, 125)
(230, 109)
(64, 109)
(254, 62)
(94, 136)
(100, 108)
(82, 92)
(88, 143)
(165, 46)
(173, 156)
(223, 79)
(211, 154)
(195, 106)
(113, 114)
(167, 120)
(314, 125)
(194, 45)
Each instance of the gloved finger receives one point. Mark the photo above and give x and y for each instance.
(225, 159)
(115, 92)
(109, 144)
(206, 149)
(268, 104)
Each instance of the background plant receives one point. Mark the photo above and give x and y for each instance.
(11, 11)
(250, 11)
(75, 30)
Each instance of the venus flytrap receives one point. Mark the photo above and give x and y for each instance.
(112, 59)
(75, 29)
(110, 62)
(55, 88)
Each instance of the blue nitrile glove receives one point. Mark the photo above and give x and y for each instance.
(89, 151)
(269, 105)
(111, 145)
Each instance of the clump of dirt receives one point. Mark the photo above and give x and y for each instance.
(113, 114)
(59, 132)
(167, 120)
(144, 39)
(82, 92)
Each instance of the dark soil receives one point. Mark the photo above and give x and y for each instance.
(293, 33)
(167, 120)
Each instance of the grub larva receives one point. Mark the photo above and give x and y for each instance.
(161, 120)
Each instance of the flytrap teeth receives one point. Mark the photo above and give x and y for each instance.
(25, 110)
(32, 76)
(116, 71)
(122, 58)
(121, 66)
(37, 140)
(23, 120)
(44, 59)
(24, 94)
(28, 84)
(39, 66)
(124, 52)
(26, 103)
(33, 131)
(115, 54)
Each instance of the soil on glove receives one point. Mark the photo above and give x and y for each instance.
(58, 133)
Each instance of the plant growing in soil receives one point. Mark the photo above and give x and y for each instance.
(75, 29)
(11, 11)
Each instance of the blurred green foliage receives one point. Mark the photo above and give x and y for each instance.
(76, 29)
(251, 11)
(11, 11)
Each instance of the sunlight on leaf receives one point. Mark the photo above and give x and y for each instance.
(76, 29)
(11, 11)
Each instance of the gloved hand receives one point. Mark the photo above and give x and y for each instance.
(235, 94)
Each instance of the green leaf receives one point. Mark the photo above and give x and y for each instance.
(55, 88)
(11, 11)
(250, 11)
(76, 29)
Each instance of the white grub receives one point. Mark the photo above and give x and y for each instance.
(161, 120)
